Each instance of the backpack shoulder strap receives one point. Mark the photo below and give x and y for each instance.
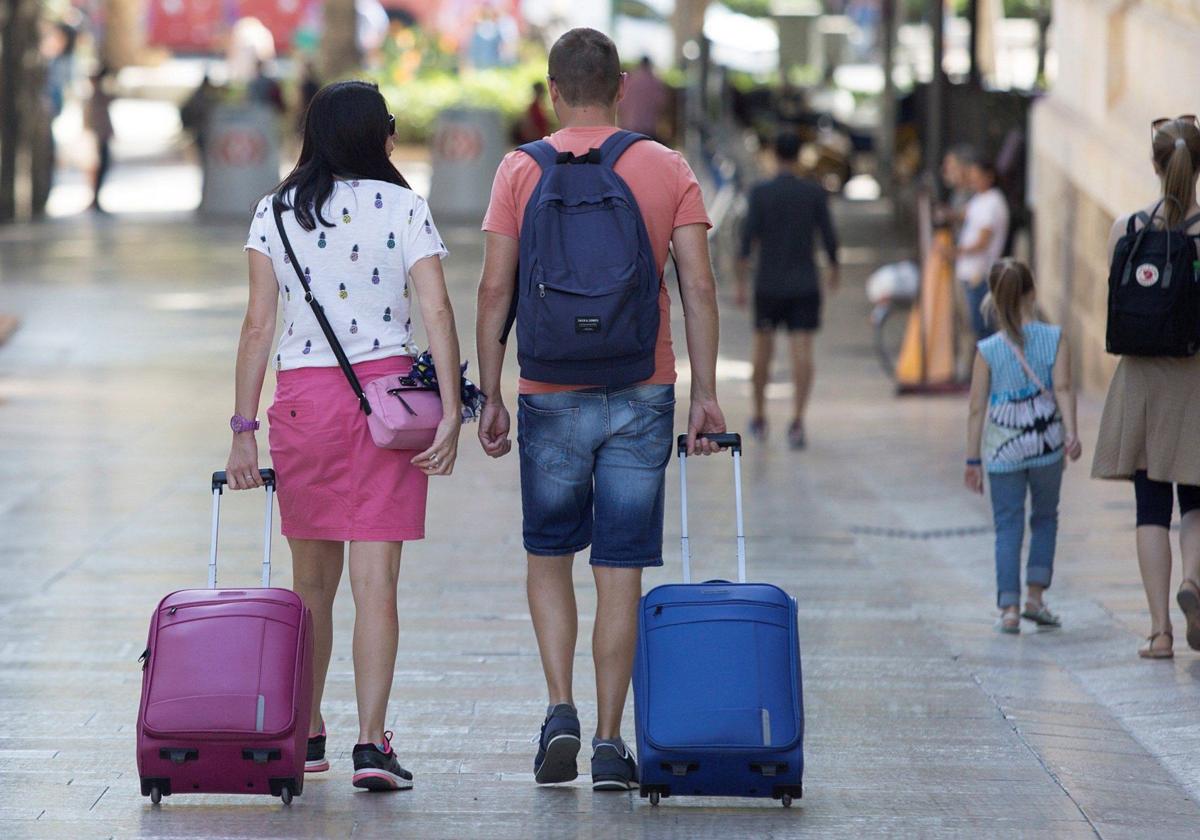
(615, 146)
(542, 152)
(1189, 223)
(1139, 216)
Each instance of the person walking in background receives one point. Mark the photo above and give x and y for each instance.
(954, 177)
(1150, 429)
(646, 97)
(360, 235)
(263, 89)
(593, 459)
(1022, 420)
(980, 243)
(99, 121)
(534, 124)
(785, 215)
(194, 113)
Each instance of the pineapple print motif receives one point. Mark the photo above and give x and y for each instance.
(354, 183)
(375, 277)
(354, 254)
(286, 259)
(290, 327)
(387, 314)
(342, 293)
(375, 346)
(353, 326)
(391, 243)
(321, 240)
(278, 362)
(345, 216)
(428, 226)
(378, 201)
(410, 215)
(287, 293)
(307, 347)
(406, 289)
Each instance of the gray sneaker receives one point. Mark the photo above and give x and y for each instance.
(558, 747)
(613, 766)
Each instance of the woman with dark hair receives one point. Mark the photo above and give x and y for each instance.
(360, 234)
(1150, 430)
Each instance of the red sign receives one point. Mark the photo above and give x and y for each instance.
(237, 146)
(458, 142)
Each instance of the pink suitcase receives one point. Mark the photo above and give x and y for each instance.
(227, 685)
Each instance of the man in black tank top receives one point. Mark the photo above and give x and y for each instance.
(784, 217)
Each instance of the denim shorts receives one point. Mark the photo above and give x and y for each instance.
(593, 465)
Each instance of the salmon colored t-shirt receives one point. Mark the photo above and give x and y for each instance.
(666, 192)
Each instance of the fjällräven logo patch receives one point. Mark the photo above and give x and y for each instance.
(1146, 274)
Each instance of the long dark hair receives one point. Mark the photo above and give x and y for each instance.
(346, 128)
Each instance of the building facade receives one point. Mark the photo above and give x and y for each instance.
(1121, 64)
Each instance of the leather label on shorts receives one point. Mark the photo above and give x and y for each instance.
(587, 324)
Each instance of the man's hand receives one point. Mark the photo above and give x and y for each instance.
(740, 296)
(705, 417)
(833, 279)
(494, 426)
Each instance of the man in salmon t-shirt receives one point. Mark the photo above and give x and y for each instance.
(593, 459)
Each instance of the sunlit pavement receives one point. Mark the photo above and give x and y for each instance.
(922, 720)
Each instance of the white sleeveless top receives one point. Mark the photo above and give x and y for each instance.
(358, 270)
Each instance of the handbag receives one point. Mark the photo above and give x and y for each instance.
(1024, 428)
(403, 410)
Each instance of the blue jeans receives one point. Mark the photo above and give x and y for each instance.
(593, 467)
(1008, 510)
(975, 295)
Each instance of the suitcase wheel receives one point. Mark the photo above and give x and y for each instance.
(155, 795)
(286, 795)
(787, 800)
(655, 796)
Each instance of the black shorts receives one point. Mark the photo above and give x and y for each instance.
(795, 313)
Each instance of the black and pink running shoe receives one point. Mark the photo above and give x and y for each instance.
(315, 761)
(376, 769)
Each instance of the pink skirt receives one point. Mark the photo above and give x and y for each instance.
(334, 482)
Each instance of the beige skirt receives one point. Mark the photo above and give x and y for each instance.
(1151, 421)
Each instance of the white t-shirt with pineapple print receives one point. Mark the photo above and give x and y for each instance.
(358, 270)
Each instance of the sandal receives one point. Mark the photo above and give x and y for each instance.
(1041, 616)
(1010, 622)
(1189, 601)
(1150, 652)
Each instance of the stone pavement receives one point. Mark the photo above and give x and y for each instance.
(922, 720)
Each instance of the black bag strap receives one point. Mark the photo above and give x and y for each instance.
(1127, 274)
(319, 311)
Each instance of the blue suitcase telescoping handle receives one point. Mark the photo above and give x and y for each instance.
(732, 442)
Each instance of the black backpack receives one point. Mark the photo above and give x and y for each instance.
(1154, 290)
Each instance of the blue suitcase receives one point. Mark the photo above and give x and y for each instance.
(716, 682)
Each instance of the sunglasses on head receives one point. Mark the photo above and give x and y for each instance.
(391, 125)
(1161, 122)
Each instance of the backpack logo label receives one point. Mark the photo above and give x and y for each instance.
(1146, 274)
(587, 324)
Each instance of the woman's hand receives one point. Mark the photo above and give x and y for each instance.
(973, 478)
(439, 458)
(1073, 447)
(241, 470)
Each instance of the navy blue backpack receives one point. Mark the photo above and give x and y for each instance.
(586, 304)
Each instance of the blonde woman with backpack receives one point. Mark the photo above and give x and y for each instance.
(1022, 422)
(1150, 430)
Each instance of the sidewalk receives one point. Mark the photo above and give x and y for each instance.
(922, 721)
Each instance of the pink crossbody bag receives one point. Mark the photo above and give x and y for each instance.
(402, 411)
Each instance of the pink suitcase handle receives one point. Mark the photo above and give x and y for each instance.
(219, 480)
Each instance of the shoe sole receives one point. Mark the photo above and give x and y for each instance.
(560, 763)
(1190, 604)
(380, 780)
(316, 766)
(613, 783)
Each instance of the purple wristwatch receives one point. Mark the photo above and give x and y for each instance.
(240, 424)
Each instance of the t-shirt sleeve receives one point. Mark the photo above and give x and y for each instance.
(501, 215)
(262, 221)
(690, 208)
(423, 238)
